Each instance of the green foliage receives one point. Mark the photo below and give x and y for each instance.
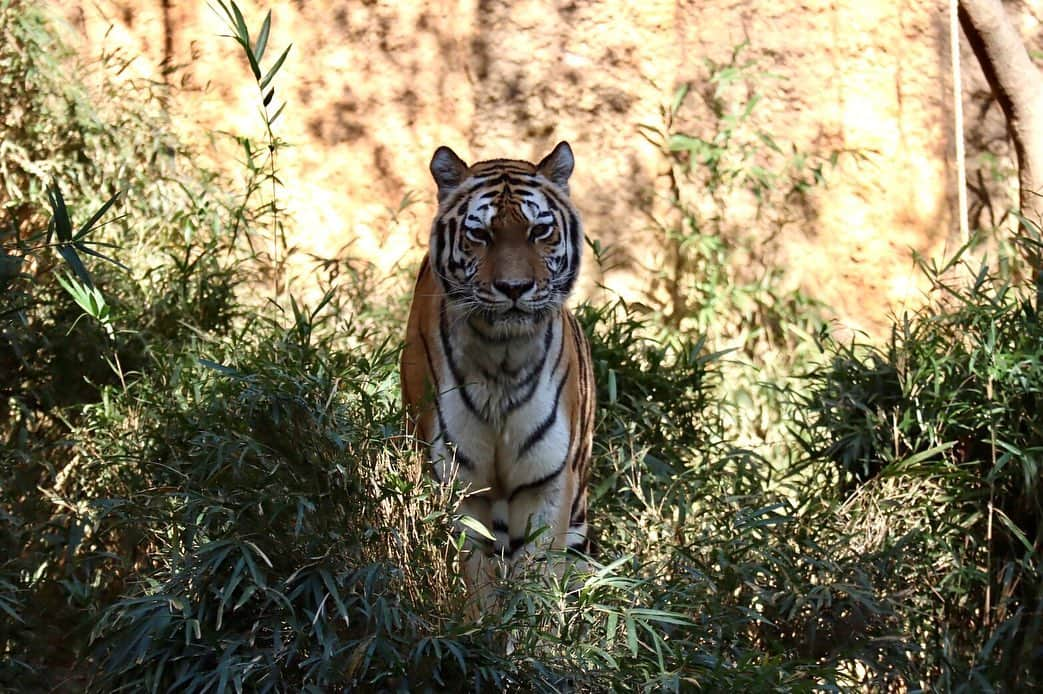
(291, 542)
(653, 393)
(70, 148)
(196, 495)
(261, 162)
(732, 187)
(952, 403)
(272, 505)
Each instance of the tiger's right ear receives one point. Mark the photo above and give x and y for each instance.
(448, 171)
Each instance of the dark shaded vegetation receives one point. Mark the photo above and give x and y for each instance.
(201, 489)
(952, 404)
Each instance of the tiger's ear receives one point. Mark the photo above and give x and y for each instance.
(557, 166)
(448, 170)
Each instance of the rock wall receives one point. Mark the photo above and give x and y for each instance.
(373, 87)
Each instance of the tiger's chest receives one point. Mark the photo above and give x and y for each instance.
(501, 410)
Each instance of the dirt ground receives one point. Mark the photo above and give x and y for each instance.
(374, 87)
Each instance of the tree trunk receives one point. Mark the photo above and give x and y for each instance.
(1018, 86)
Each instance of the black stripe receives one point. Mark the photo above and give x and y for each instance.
(506, 176)
(434, 382)
(537, 435)
(532, 380)
(515, 181)
(451, 228)
(560, 204)
(581, 454)
(512, 405)
(581, 461)
(537, 483)
(504, 164)
(555, 195)
(516, 543)
(447, 349)
(547, 338)
(579, 345)
(500, 526)
(588, 395)
(580, 547)
(579, 519)
(554, 201)
(451, 263)
(464, 461)
(575, 504)
(561, 352)
(575, 228)
(439, 244)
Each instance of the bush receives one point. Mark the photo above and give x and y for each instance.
(90, 143)
(951, 407)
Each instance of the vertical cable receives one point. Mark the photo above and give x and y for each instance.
(957, 97)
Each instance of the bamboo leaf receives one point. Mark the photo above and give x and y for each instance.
(60, 218)
(220, 368)
(477, 526)
(240, 23)
(255, 67)
(248, 593)
(262, 37)
(331, 586)
(917, 458)
(275, 68)
(87, 227)
(277, 114)
(631, 634)
(90, 251)
(679, 97)
(661, 616)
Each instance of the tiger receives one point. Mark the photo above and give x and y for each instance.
(496, 373)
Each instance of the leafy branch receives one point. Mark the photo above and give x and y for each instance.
(254, 51)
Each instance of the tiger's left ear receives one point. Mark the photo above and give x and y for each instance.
(557, 166)
(448, 171)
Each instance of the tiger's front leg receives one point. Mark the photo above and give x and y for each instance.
(547, 522)
(530, 539)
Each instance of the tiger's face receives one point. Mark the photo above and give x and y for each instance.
(506, 243)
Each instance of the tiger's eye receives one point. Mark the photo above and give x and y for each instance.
(478, 235)
(540, 232)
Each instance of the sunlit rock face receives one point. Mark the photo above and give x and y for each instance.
(374, 87)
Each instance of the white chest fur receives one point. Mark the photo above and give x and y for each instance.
(502, 425)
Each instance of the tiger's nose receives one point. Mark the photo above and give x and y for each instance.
(514, 289)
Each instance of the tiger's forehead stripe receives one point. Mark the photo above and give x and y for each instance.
(479, 203)
(518, 181)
